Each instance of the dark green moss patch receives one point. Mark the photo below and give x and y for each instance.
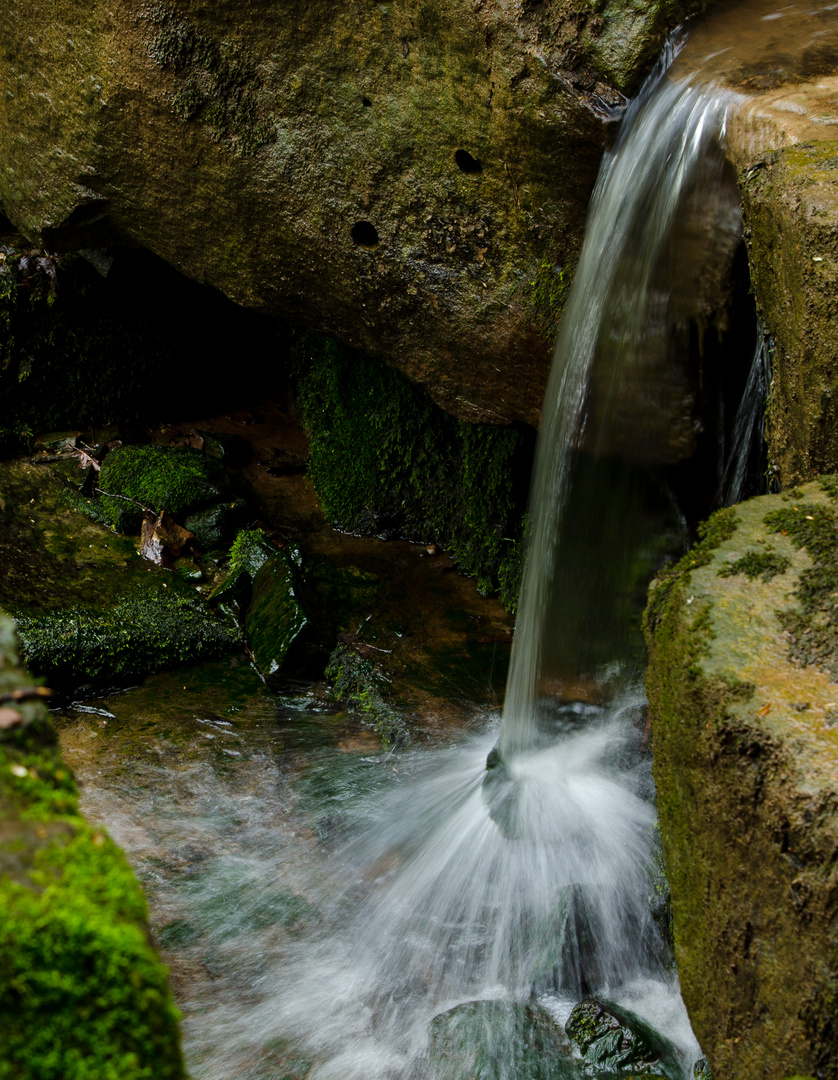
(82, 993)
(361, 686)
(719, 527)
(385, 460)
(765, 564)
(150, 627)
(177, 479)
(812, 626)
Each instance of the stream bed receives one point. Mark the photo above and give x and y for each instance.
(301, 879)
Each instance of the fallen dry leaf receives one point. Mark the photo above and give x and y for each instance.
(10, 718)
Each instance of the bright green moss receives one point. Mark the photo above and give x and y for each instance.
(385, 460)
(172, 478)
(82, 993)
(147, 629)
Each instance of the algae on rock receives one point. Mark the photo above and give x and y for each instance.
(385, 460)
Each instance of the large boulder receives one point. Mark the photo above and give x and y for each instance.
(411, 177)
(743, 639)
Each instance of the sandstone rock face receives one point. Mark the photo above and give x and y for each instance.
(395, 173)
(743, 637)
(783, 137)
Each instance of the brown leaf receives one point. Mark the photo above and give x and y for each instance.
(9, 718)
(162, 538)
(765, 710)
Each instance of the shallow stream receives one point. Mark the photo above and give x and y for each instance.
(309, 891)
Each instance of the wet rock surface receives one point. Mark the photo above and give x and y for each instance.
(615, 1043)
(499, 1040)
(743, 646)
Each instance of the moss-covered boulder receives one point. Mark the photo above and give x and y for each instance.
(82, 992)
(499, 1040)
(90, 611)
(743, 639)
(400, 175)
(177, 479)
(790, 204)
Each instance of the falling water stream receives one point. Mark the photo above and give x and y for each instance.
(450, 883)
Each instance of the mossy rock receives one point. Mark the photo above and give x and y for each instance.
(176, 479)
(283, 639)
(386, 460)
(216, 525)
(790, 212)
(499, 1040)
(90, 611)
(82, 993)
(614, 1042)
(356, 682)
(743, 641)
(266, 589)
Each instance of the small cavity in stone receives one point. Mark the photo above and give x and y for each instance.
(365, 234)
(469, 165)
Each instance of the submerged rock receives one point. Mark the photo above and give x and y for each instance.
(500, 1040)
(90, 611)
(614, 1042)
(743, 639)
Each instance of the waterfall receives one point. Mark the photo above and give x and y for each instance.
(533, 876)
(747, 443)
(625, 295)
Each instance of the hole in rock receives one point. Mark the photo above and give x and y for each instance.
(365, 234)
(467, 164)
(365, 101)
